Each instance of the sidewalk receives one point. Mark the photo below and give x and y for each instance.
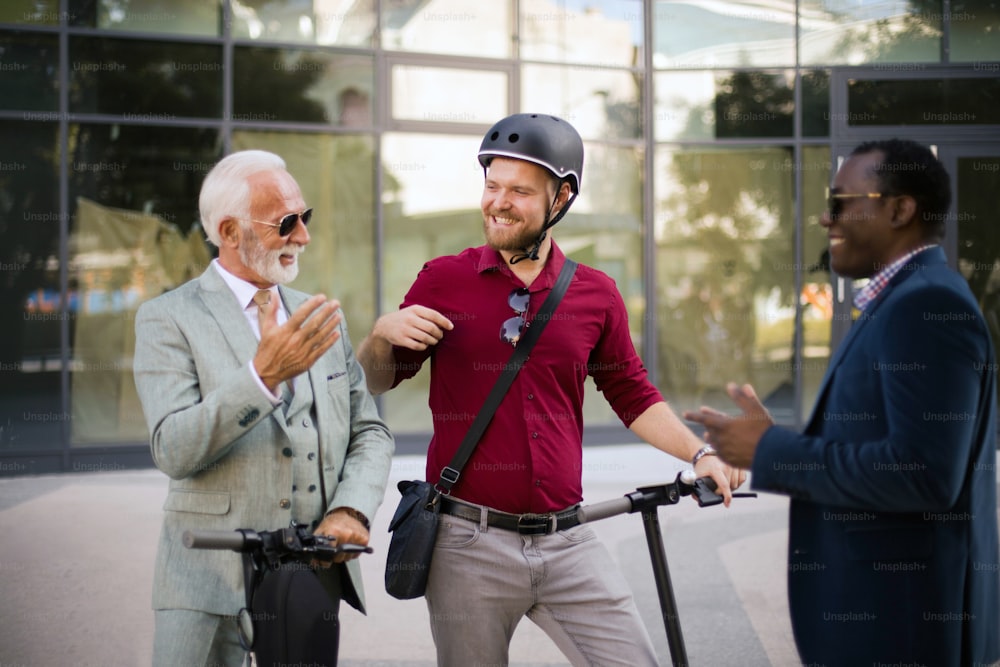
(77, 550)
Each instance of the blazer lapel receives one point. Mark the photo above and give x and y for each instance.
(923, 259)
(228, 315)
(836, 359)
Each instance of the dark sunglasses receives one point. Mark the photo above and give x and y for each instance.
(835, 200)
(287, 223)
(512, 328)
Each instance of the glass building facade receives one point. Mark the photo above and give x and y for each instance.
(711, 130)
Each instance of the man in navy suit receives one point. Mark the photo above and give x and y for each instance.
(892, 546)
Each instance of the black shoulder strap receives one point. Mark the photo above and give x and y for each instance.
(450, 474)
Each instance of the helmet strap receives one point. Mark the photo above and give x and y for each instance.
(532, 252)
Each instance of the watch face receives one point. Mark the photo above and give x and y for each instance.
(244, 623)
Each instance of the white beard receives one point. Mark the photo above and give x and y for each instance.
(267, 263)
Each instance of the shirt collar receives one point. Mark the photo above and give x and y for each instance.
(870, 291)
(241, 289)
(491, 260)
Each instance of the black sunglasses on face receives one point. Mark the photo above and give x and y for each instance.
(287, 223)
(835, 200)
(512, 328)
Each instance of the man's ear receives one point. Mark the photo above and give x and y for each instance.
(562, 197)
(904, 211)
(230, 232)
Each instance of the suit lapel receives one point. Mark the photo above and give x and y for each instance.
(923, 259)
(228, 314)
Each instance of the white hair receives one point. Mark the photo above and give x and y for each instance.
(225, 192)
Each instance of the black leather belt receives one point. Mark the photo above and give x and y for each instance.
(525, 524)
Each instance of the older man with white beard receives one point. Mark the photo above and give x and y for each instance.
(257, 410)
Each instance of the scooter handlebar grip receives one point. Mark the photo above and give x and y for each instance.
(604, 509)
(233, 540)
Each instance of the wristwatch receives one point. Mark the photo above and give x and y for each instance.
(707, 450)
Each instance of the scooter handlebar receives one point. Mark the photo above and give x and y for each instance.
(605, 509)
(233, 540)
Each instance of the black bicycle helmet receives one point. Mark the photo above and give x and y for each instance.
(545, 140)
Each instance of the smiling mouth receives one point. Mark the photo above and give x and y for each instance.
(835, 241)
(504, 221)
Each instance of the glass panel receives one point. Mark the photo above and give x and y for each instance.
(951, 101)
(134, 235)
(713, 105)
(975, 33)
(424, 219)
(608, 32)
(176, 17)
(436, 94)
(977, 202)
(29, 72)
(31, 413)
(31, 12)
(600, 103)
(740, 33)
(725, 274)
(455, 27)
(143, 80)
(305, 86)
(306, 21)
(844, 32)
(604, 229)
(337, 178)
(817, 291)
(816, 103)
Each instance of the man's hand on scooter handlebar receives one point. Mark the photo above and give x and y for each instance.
(703, 489)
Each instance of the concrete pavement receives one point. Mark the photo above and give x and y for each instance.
(76, 555)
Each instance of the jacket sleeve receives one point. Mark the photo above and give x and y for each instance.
(192, 422)
(898, 426)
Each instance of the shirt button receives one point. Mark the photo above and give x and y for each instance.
(287, 451)
(538, 482)
(285, 503)
(535, 434)
(531, 397)
(305, 423)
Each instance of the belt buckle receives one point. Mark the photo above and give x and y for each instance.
(537, 524)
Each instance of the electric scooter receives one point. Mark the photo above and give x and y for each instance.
(647, 500)
(279, 568)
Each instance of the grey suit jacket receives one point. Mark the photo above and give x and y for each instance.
(221, 441)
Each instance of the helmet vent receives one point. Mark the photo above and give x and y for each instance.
(513, 138)
(493, 137)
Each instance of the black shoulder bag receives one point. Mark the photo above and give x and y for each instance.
(414, 525)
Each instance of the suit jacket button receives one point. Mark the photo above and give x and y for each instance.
(312, 488)
(285, 503)
(311, 456)
(305, 423)
(287, 451)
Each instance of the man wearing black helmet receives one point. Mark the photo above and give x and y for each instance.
(487, 572)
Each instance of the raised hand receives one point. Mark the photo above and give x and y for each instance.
(414, 327)
(735, 437)
(292, 348)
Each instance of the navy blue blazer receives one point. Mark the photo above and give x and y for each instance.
(892, 546)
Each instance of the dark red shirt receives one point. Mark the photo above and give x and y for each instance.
(530, 457)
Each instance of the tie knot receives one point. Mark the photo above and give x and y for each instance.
(262, 298)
